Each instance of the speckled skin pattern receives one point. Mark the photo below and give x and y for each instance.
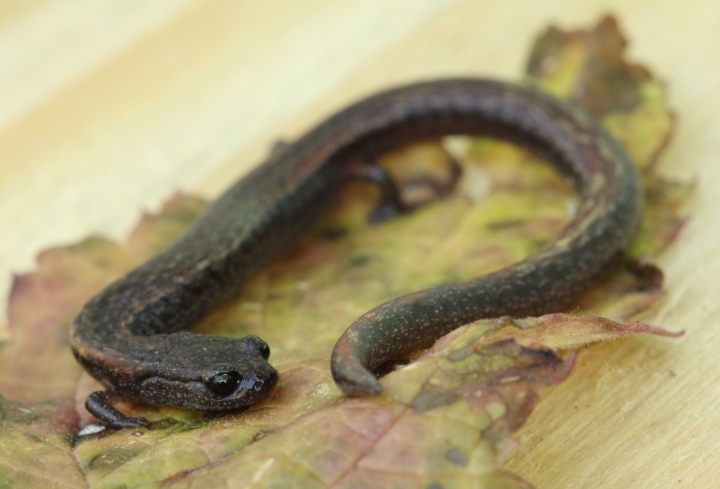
(129, 338)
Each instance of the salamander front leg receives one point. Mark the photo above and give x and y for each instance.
(100, 405)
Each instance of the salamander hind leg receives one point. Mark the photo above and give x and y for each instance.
(390, 204)
(434, 182)
(399, 198)
(100, 405)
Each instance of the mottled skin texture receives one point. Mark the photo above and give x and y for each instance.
(129, 337)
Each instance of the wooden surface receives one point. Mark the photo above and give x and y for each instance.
(107, 107)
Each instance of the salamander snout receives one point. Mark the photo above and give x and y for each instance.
(266, 381)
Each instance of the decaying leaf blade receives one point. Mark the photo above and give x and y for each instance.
(448, 417)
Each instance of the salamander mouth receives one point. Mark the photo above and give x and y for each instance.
(194, 394)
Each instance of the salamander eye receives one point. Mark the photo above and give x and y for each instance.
(265, 350)
(254, 344)
(223, 383)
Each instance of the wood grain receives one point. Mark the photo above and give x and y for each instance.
(108, 107)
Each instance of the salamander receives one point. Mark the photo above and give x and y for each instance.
(133, 338)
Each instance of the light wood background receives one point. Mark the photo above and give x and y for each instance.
(107, 107)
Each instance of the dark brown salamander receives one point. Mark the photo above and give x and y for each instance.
(128, 336)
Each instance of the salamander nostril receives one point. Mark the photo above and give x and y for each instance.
(264, 350)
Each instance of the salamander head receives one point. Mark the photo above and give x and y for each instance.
(209, 373)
